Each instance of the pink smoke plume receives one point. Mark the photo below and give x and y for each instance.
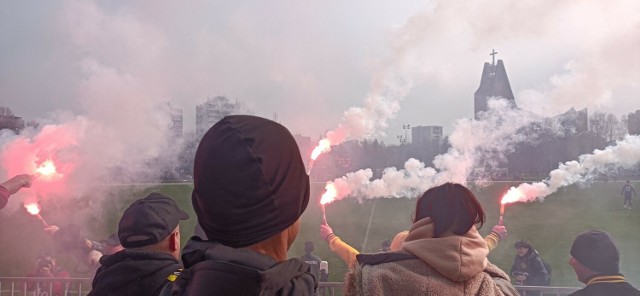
(54, 144)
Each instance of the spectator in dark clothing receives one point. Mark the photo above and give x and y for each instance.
(528, 268)
(596, 260)
(627, 189)
(71, 240)
(250, 189)
(150, 233)
(12, 186)
(312, 259)
(385, 246)
(112, 244)
(46, 267)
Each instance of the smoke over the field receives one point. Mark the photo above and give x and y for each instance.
(624, 154)
(474, 143)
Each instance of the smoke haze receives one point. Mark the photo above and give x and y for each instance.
(107, 69)
(474, 143)
(624, 154)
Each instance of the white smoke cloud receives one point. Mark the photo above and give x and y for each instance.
(474, 143)
(623, 154)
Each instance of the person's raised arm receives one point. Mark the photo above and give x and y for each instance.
(17, 182)
(12, 186)
(498, 233)
(336, 245)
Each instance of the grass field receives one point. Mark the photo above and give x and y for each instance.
(550, 225)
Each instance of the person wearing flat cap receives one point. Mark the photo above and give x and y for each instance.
(250, 189)
(149, 231)
(596, 261)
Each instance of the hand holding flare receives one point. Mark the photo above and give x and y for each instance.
(329, 195)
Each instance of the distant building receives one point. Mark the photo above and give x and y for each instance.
(572, 121)
(211, 111)
(493, 83)
(177, 122)
(10, 121)
(305, 145)
(430, 136)
(633, 123)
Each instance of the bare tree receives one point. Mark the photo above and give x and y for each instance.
(610, 124)
(596, 123)
(607, 126)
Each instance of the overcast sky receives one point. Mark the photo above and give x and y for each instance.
(309, 61)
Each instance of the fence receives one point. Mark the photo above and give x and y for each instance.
(37, 286)
(545, 291)
(31, 286)
(335, 288)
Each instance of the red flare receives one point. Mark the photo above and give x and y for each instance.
(33, 208)
(323, 146)
(329, 195)
(47, 168)
(513, 195)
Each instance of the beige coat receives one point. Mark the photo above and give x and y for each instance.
(448, 265)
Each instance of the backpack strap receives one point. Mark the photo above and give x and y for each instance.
(167, 286)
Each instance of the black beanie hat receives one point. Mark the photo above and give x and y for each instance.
(596, 250)
(249, 181)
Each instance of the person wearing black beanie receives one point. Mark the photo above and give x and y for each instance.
(250, 189)
(596, 261)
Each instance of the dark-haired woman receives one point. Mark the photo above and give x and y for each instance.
(443, 254)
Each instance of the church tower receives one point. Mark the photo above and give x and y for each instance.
(494, 83)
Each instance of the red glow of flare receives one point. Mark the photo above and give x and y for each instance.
(47, 168)
(513, 195)
(32, 208)
(323, 146)
(329, 195)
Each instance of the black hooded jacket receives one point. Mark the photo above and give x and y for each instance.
(532, 266)
(134, 273)
(214, 269)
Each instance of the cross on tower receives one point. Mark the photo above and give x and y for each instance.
(493, 57)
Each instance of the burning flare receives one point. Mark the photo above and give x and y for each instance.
(329, 195)
(323, 146)
(47, 168)
(513, 195)
(33, 208)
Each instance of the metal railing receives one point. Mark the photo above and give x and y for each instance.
(47, 286)
(38, 286)
(335, 288)
(329, 288)
(545, 291)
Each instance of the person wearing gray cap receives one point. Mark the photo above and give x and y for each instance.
(596, 261)
(149, 231)
(250, 189)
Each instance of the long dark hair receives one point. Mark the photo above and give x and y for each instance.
(452, 207)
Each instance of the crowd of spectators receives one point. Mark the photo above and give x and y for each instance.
(250, 189)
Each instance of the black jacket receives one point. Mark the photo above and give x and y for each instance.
(214, 269)
(135, 273)
(608, 286)
(532, 267)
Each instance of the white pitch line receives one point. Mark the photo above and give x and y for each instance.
(366, 234)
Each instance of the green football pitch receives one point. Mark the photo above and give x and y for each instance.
(550, 225)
